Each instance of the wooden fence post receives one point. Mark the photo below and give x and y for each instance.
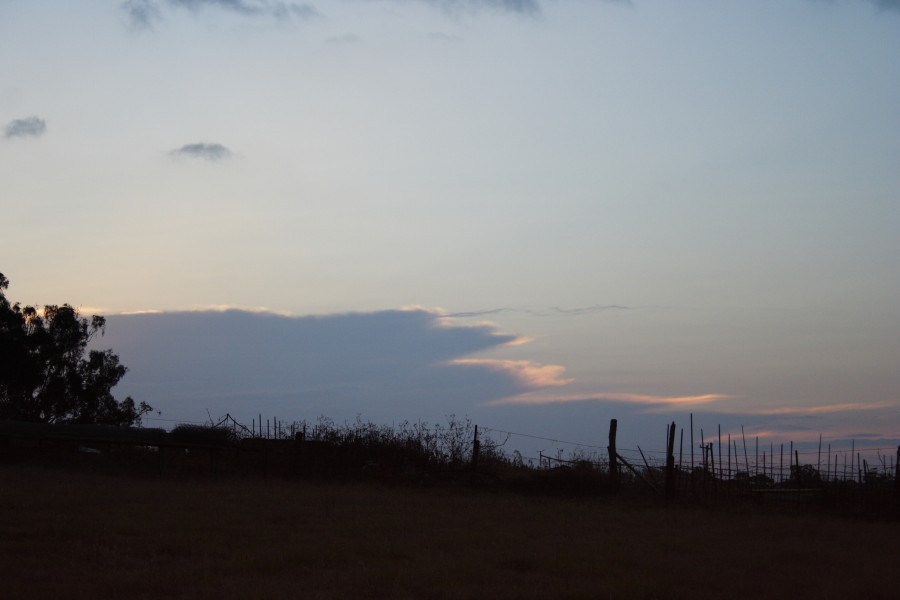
(476, 448)
(670, 463)
(692, 449)
(897, 478)
(746, 458)
(613, 462)
(819, 457)
(720, 451)
(781, 464)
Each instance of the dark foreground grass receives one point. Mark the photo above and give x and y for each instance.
(71, 534)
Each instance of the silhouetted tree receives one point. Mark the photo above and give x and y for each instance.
(47, 373)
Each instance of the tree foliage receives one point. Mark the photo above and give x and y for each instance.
(47, 372)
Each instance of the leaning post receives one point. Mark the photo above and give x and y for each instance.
(476, 449)
(613, 461)
(897, 478)
(670, 463)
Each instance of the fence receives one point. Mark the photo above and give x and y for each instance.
(722, 469)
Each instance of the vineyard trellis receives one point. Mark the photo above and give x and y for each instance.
(722, 467)
(733, 463)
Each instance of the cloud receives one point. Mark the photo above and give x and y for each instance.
(393, 364)
(540, 312)
(667, 402)
(824, 409)
(279, 10)
(241, 6)
(301, 11)
(883, 5)
(284, 9)
(840, 439)
(525, 7)
(886, 4)
(529, 374)
(213, 152)
(27, 127)
(142, 14)
(390, 366)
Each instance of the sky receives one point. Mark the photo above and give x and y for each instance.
(537, 214)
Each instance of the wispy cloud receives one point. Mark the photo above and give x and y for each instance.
(544, 397)
(540, 312)
(445, 319)
(839, 438)
(879, 4)
(824, 409)
(27, 127)
(213, 152)
(525, 7)
(143, 14)
(721, 404)
(887, 4)
(530, 374)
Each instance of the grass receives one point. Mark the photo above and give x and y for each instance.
(76, 534)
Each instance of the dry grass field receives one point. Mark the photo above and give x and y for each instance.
(75, 534)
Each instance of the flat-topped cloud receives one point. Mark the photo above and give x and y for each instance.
(397, 362)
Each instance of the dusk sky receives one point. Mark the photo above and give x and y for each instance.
(537, 214)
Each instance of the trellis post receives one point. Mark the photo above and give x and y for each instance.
(613, 460)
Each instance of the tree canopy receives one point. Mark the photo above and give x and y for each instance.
(47, 372)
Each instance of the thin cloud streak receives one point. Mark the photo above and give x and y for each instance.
(528, 373)
(681, 402)
(144, 14)
(523, 7)
(211, 152)
(540, 312)
(839, 438)
(820, 410)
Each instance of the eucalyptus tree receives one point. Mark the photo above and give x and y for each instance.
(49, 374)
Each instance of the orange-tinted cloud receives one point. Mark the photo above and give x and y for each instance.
(450, 321)
(543, 397)
(531, 374)
(819, 410)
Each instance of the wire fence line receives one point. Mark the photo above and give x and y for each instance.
(724, 457)
(846, 463)
(863, 480)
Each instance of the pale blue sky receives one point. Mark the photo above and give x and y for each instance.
(719, 181)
